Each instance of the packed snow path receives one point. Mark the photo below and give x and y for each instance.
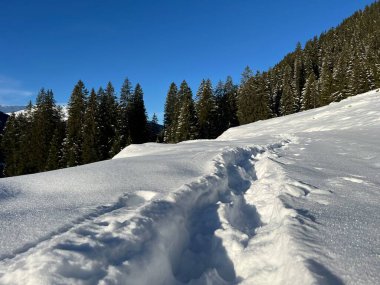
(292, 200)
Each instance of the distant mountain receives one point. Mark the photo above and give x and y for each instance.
(11, 109)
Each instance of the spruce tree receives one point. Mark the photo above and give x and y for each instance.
(9, 146)
(138, 118)
(230, 92)
(245, 100)
(206, 111)
(288, 104)
(126, 97)
(55, 150)
(187, 125)
(298, 78)
(107, 120)
(309, 94)
(170, 115)
(325, 84)
(90, 148)
(75, 120)
(45, 120)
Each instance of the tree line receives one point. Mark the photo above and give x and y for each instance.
(341, 62)
(97, 127)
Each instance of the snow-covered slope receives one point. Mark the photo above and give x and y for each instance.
(292, 200)
(64, 109)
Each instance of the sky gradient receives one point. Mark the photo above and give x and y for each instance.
(54, 43)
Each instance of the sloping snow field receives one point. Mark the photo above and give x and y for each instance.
(291, 200)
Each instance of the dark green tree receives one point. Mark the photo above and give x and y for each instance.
(46, 118)
(206, 111)
(138, 118)
(288, 104)
(107, 120)
(187, 124)
(75, 121)
(170, 114)
(90, 147)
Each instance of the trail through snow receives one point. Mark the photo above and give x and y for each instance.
(292, 200)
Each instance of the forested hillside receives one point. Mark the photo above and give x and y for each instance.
(340, 63)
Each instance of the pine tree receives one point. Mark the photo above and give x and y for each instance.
(246, 75)
(55, 151)
(90, 151)
(262, 103)
(245, 100)
(230, 92)
(75, 120)
(153, 129)
(126, 96)
(288, 104)
(206, 111)
(45, 120)
(24, 140)
(298, 78)
(309, 94)
(170, 115)
(339, 81)
(138, 118)
(107, 121)
(187, 125)
(9, 146)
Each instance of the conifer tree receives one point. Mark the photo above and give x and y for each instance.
(230, 92)
(246, 75)
(24, 140)
(187, 125)
(126, 97)
(45, 120)
(153, 129)
(75, 120)
(170, 115)
(325, 84)
(55, 151)
(206, 111)
(90, 148)
(9, 146)
(245, 100)
(262, 103)
(288, 104)
(309, 93)
(138, 118)
(107, 120)
(298, 77)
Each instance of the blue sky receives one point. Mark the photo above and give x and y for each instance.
(54, 43)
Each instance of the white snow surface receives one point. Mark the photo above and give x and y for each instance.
(64, 109)
(291, 200)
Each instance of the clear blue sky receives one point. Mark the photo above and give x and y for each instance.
(54, 43)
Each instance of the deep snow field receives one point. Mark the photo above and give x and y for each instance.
(291, 200)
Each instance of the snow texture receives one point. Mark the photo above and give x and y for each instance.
(291, 200)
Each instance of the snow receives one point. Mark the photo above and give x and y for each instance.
(20, 110)
(291, 200)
